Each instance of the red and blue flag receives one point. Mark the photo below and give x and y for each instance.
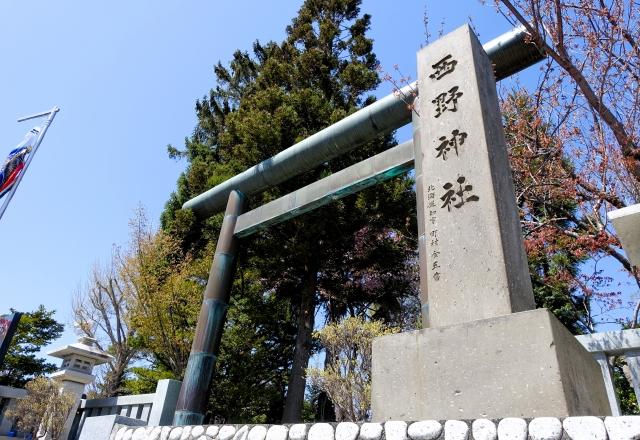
(15, 162)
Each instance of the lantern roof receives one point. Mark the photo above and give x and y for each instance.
(85, 347)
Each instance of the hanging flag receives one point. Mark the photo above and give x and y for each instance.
(15, 162)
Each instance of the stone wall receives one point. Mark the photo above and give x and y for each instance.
(543, 428)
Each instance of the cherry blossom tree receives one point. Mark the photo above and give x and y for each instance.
(581, 131)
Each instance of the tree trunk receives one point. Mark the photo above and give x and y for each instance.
(325, 410)
(297, 380)
(115, 376)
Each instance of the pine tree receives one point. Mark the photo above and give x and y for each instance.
(35, 330)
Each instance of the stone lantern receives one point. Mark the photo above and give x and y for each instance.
(78, 360)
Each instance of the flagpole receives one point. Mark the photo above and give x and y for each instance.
(52, 114)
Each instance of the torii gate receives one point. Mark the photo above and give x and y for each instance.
(509, 53)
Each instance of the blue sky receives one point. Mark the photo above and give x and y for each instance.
(126, 76)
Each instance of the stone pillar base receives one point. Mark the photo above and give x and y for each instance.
(524, 364)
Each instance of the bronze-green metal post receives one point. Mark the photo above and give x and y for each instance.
(206, 343)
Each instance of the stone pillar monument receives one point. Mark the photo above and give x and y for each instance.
(485, 352)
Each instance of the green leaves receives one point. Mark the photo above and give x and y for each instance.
(546, 197)
(346, 377)
(35, 330)
(44, 409)
(354, 255)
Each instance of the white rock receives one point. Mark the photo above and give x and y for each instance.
(298, 432)
(320, 431)
(545, 428)
(425, 430)
(226, 432)
(197, 431)
(584, 428)
(347, 431)
(370, 431)
(484, 429)
(203, 437)
(623, 428)
(175, 433)
(154, 433)
(242, 433)
(211, 431)
(277, 432)
(512, 428)
(455, 430)
(120, 433)
(164, 433)
(139, 434)
(257, 433)
(148, 430)
(395, 430)
(186, 433)
(127, 434)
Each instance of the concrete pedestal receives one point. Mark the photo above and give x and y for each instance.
(524, 364)
(102, 427)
